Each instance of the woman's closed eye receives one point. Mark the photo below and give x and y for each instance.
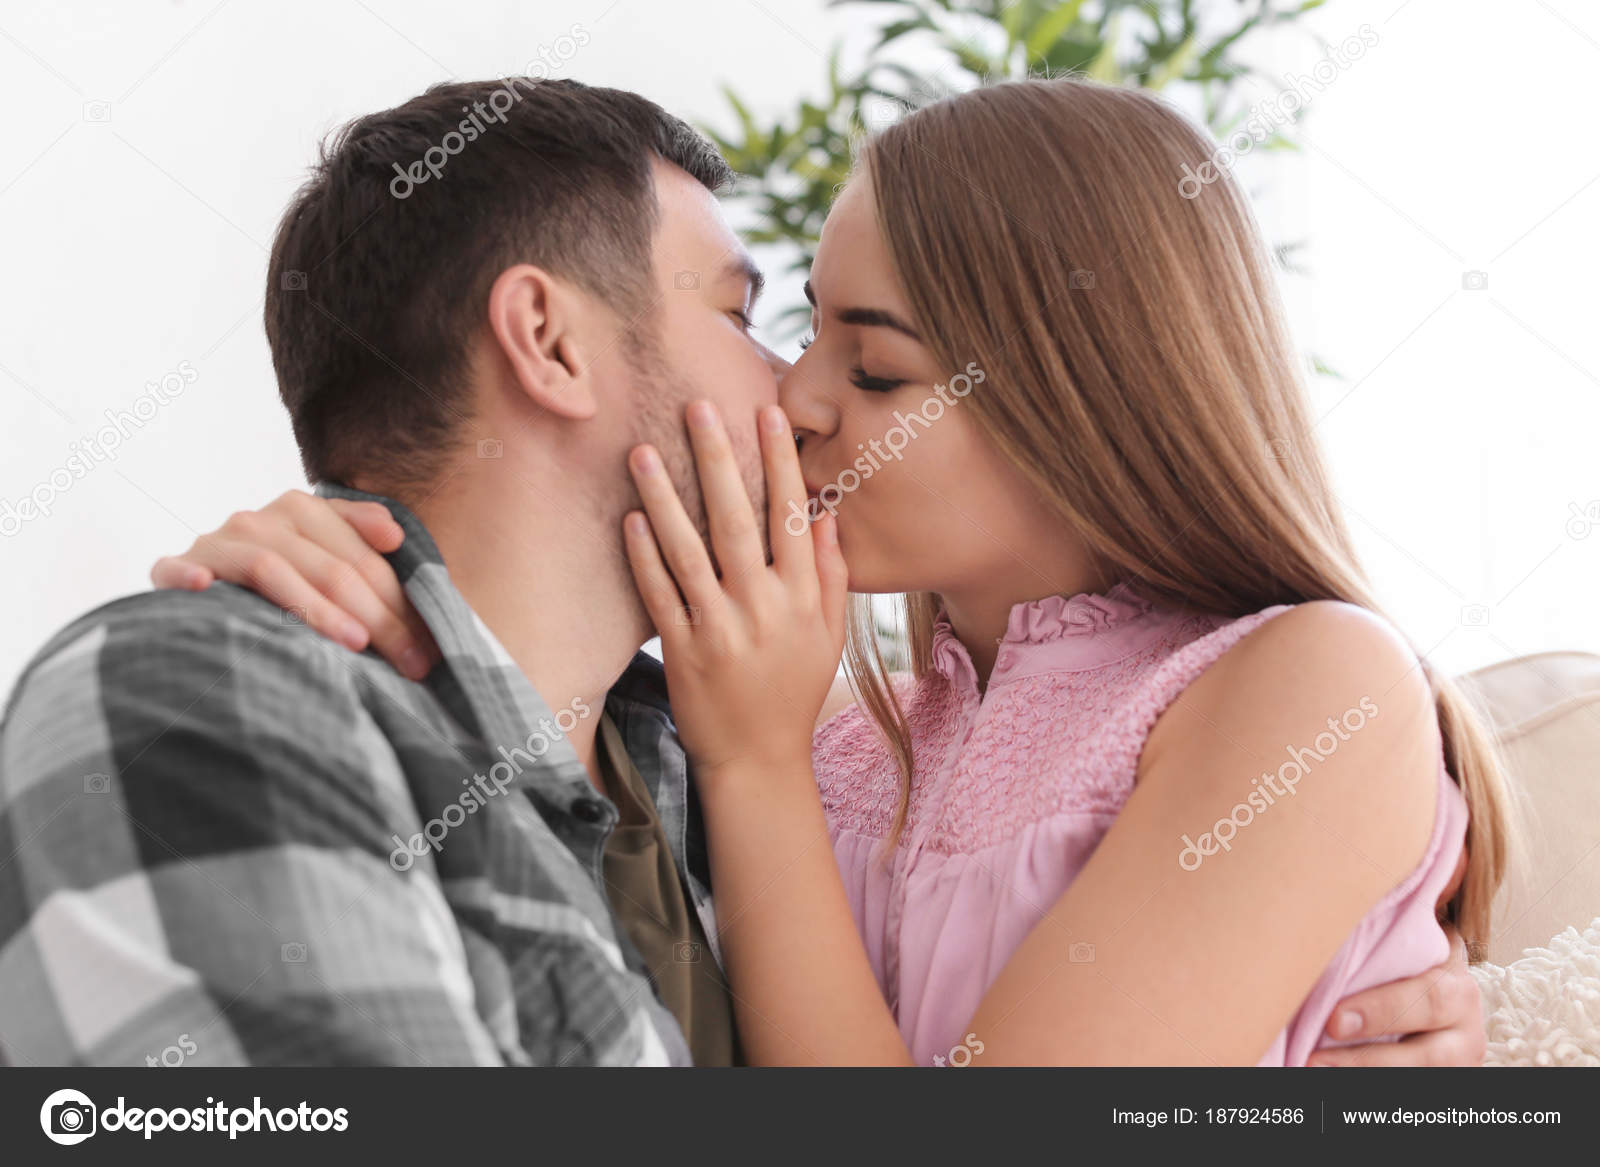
(859, 377)
(864, 380)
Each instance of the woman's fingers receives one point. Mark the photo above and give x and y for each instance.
(372, 521)
(274, 578)
(348, 532)
(735, 536)
(1443, 1000)
(676, 537)
(833, 578)
(178, 573)
(650, 575)
(1437, 1015)
(315, 558)
(342, 585)
(805, 555)
(788, 521)
(1445, 1048)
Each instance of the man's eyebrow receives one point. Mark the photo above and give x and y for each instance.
(867, 317)
(742, 267)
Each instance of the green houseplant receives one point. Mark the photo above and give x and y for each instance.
(791, 166)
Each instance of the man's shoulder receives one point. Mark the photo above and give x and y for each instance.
(218, 622)
(159, 652)
(212, 722)
(218, 607)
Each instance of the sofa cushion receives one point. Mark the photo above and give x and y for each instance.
(1545, 710)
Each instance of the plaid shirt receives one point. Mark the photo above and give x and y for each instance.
(221, 833)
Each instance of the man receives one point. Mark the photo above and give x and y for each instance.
(230, 830)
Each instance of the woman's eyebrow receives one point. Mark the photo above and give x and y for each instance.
(867, 317)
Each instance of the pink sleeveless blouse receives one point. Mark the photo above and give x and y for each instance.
(1014, 789)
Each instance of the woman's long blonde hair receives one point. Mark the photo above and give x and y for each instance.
(1139, 372)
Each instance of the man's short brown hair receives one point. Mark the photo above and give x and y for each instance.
(381, 268)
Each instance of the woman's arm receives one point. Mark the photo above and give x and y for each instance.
(1143, 961)
(1436, 1016)
(803, 990)
(1140, 961)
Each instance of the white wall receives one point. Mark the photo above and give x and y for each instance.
(137, 243)
(1466, 437)
(133, 235)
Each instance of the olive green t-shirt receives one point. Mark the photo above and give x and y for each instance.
(649, 902)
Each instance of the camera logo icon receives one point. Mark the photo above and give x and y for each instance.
(68, 1117)
(293, 281)
(1474, 281)
(294, 952)
(879, 112)
(685, 281)
(97, 783)
(491, 448)
(1583, 520)
(686, 952)
(1081, 281)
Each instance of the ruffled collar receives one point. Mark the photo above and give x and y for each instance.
(1060, 633)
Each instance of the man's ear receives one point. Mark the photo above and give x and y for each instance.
(540, 324)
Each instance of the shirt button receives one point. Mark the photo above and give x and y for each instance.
(588, 810)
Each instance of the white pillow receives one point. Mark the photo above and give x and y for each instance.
(1544, 1009)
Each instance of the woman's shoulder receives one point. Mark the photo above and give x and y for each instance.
(1328, 681)
(1319, 649)
(1305, 662)
(1314, 653)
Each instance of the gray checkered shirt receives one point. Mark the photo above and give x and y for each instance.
(221, 833)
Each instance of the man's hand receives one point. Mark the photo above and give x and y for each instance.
(1437, 1016)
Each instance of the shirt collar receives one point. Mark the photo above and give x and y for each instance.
(501, 704)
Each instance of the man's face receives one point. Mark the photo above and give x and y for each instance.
(694, 342)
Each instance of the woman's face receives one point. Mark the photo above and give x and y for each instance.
(887, 441)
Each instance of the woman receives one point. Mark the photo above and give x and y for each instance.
(1160, 786)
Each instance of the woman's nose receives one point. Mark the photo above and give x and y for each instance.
(810, 410)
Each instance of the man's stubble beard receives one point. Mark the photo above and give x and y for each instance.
(661, 393)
